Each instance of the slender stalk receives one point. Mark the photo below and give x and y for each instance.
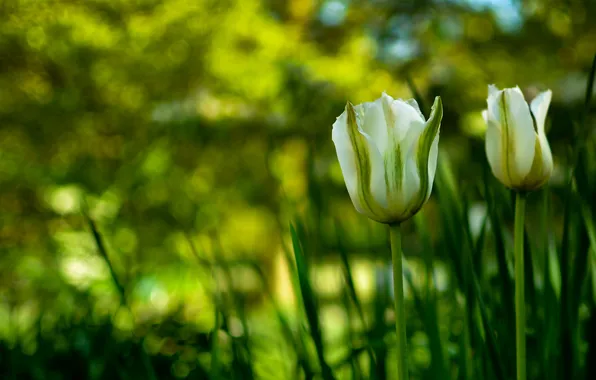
(215, 346)
(520, 303)
(398, 296)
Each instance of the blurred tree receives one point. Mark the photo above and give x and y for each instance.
(213, 117)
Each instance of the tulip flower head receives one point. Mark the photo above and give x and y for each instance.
(387, 152)
(516, 145)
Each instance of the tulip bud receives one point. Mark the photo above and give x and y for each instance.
(388, 152)
(516, 145)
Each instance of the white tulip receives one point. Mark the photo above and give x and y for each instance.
(388, 152)
(516, 145)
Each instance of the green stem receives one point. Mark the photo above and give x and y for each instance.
(398, 295)
(520, 303)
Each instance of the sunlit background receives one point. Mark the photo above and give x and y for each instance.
(196, 131)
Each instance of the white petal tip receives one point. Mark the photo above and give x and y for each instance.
(493, 90)
(548, 93)
(386, 96)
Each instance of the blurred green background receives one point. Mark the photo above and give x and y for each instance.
(195, 131)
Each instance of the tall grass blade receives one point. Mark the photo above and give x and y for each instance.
(350, 336)
(568, 302)
(240, 345)
(591, 329)
(379, 328)
(351, 288)
(505, 282)
(347, 270)
(215, 363)
(591, 352)
(309, 302)
(104, 254)
(590, 87)
(549, 303)
(453, 215)
(121, 291)
(437, 368)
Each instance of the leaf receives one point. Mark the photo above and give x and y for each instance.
(309, 302)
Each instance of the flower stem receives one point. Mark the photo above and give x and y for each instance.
(398, 296)
(520, 303)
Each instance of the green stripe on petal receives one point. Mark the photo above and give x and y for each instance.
(389, 115)
(507, 144)
(539, 173)
(423, 153)
(393, 173)
(363, 168)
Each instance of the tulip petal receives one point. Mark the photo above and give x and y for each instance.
(547, 156)
(423, 153)
(542, 167)
(492, 111)
(494, 149)
(414, 104)
(492, 90)
(539, 107)
(399, 116)
(432, 164)
(517, 135)
(373, 122)
(346, 156)
(361, 165)
(402, 177)
(411, 189)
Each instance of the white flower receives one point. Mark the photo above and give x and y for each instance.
(388, 156)
(516, 145)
